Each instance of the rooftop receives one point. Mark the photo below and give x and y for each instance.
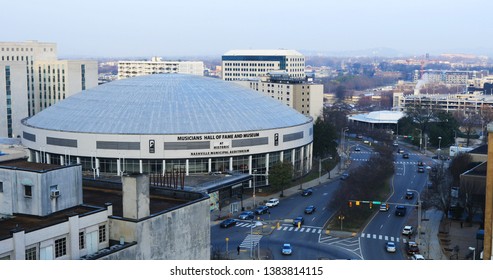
(167, 104)
(264, 52)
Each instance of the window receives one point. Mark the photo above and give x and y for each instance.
(60, 247)
(82, 241)
(1, 186)
(31, 254)
(28, 191)
(102, 233)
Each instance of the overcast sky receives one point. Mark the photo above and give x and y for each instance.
(110, 28)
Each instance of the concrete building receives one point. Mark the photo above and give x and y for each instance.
(449, 77)
(32, 79)
(170, 123)
(156, 65)
(248, 64)
(46, 213)
(378, 119)
(305, 97)
(447, 102)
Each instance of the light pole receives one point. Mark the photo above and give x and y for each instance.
(439, 142)
(254, 173)
(320, 169)
(418, 239)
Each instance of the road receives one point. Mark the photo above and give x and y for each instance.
(386, 226)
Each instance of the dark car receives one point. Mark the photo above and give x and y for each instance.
(420, 163)
(405, 155)
(228, 223)
(261, 210)
(421, 169)
(298, 221)
(344, 176)
(400, 210)
(412, 248)
(307, 192)
(310, 209)
(247, 215)
(409, 195)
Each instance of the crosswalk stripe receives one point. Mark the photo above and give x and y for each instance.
(302, 229)
(308, 229)
(391, 238)
(374, 236)
(363, 234)
(397, 239)
(319, 231)
(386, 238)
(290, 229)
(380, 237)
(296, 229)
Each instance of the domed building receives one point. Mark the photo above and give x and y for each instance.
(166, 122)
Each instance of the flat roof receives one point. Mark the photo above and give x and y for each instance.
(29, 223)
(22, 164)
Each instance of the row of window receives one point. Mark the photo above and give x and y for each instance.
(61, 244)
(17, 49)
(250, 64)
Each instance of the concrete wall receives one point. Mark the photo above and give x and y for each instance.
(181, 234)
(13, 200)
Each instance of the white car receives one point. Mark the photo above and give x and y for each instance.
(418, 257)
(286, 249)
(390, 247)
(407, 230)
(272, 202)
(384, 207)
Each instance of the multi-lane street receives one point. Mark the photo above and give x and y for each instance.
(310, 241)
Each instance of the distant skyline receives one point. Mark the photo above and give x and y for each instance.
(188, 28)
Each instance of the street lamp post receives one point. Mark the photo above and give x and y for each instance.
(320, 169)
(439, 142)
(418, 239)
(254, 173)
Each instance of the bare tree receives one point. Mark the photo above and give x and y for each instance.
(486, 113)
(468, 122)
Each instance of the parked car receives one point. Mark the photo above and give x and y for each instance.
(344, 176)
(307, 192)
(421, 169)
(405, 155)
(272, 202)
(261, 210)
(390, 247)
(409, 195)
(228, 223)
(287, 249)
(298, 221)
(400, 151)
(247, 215)
(412, 248)
(400, 210)
(310, 209)
(418, 257)
(407, 230)
(357, 149)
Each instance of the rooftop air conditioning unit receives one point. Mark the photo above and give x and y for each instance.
(55, 193)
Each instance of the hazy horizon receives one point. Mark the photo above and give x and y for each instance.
(190, 28)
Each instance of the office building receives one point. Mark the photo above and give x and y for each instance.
(156, 65)
(32, 79)
(248, 64)
(305, 97)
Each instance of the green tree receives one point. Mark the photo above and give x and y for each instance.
(324, 136)
(280, 175)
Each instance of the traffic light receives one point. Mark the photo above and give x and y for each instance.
(371, 204)
(350, 203)
(386, 206)
(357, 202)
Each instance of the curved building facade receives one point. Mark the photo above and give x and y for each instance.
(167, 122)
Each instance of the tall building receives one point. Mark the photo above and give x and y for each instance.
(304, 97)
(127, 69)
(247, 64)
(32, 79)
